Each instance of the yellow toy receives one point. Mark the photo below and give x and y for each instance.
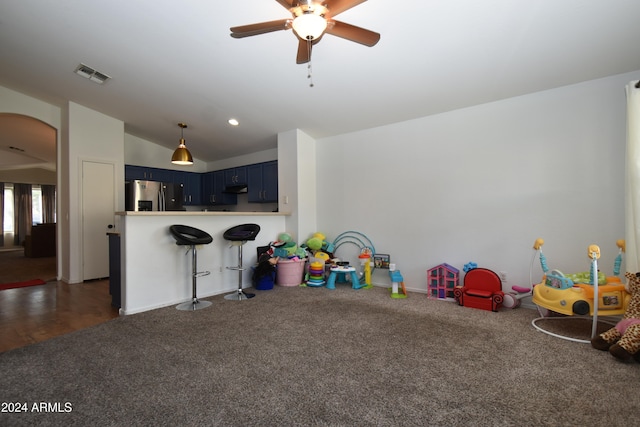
(575, 294)
(365, 261)
(584, 294)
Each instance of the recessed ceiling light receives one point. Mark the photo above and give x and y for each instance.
(233, 122)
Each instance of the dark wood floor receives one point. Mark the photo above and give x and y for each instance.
(37, 313)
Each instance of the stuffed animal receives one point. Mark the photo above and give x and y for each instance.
(623, 340)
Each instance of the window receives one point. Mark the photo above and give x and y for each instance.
(36, 204)
(8, 208)
(37, 215)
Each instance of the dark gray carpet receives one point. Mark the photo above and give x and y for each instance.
(311, 356)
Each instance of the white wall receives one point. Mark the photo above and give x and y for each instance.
(481, 184)
(257, 157)
(297, 182)
(92, 136)
(478, 184)
(140, 152)
(18, 103)
(29, 176)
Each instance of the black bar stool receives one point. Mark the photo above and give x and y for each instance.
(189, 236)
(238, 236)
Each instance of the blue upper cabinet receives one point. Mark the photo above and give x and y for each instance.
(192, 184)
(162, 175)
(132, 172)
(235, 176)
(208, 188)
(213, 190)
(262, 180)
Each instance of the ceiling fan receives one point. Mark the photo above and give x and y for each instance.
(312, 19)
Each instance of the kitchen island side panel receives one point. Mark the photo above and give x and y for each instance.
(157, 273)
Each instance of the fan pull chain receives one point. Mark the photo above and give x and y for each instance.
(309, 76)
(309, 69)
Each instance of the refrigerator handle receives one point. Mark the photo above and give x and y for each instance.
(161, 197)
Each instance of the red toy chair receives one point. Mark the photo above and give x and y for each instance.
(482, 289)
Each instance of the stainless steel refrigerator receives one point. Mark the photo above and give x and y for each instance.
(153, 196)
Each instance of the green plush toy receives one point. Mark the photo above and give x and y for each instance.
(314, 243)
(585, 277)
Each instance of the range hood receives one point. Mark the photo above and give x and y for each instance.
(236, 189)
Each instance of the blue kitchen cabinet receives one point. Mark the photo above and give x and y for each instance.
(235, 176)
(133, 172)
(192, 187)
(213, 184)
(262, 181)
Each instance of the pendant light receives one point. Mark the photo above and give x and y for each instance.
(182, 156)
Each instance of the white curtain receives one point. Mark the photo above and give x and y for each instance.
(632, 185)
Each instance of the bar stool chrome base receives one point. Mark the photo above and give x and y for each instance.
(193, 305)
(239, 296)
(238, 236)
(189, 236)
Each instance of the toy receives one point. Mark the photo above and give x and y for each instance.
(353, 237)
(365, 262)
(356, 238)
(623, 340)
(343, 269)
(316, 274)
(469, 266)
(264, 274)
(512, 298)
(441, 281)
(558, 293)
(397, 279)
(314, 244)
(482, 289)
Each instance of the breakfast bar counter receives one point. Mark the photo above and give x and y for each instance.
(155, 272)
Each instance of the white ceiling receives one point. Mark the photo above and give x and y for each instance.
(173, 60)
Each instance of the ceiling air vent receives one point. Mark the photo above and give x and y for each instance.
(91, 74)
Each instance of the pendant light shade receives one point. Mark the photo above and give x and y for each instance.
(182, 156)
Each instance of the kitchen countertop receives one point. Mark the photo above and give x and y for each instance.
(200, 213)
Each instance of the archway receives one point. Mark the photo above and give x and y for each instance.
(28, 147)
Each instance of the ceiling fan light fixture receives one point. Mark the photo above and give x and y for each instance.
(309, 26)
(182, 156)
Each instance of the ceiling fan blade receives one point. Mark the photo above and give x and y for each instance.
(339, 6)
(353, 33)
(286, 3)
(304, 50)
(260, 28)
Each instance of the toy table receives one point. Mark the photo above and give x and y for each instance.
(355, 282)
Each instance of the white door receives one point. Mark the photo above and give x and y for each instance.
(98, 209)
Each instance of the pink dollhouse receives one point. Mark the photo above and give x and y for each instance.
(441, 281)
